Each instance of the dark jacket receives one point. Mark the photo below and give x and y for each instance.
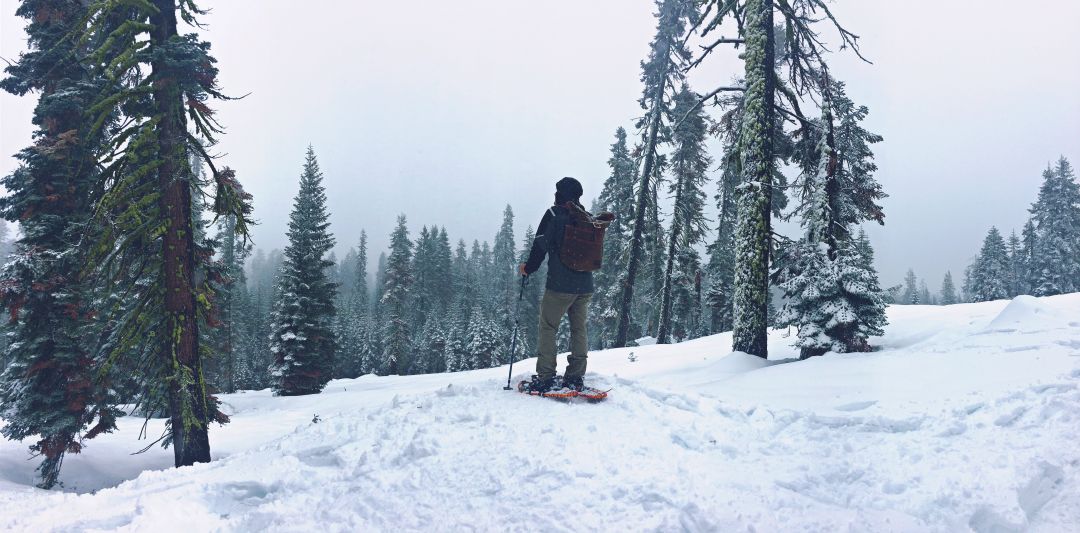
(549, 235)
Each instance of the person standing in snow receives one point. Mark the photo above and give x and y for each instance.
(567, 292)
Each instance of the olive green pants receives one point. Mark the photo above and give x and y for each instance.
(552, 308)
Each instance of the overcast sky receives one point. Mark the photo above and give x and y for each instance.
(447, 111)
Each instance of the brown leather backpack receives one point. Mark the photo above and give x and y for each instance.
(582, 246)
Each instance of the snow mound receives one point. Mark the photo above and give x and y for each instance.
(1024, 313)
(645, 341)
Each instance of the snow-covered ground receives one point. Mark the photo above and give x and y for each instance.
(967, 419)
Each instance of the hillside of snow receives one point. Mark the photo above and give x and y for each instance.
(968, 419)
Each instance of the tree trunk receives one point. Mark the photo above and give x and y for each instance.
(754, 230)
(634, 260)
(180, 348)
(663, 334)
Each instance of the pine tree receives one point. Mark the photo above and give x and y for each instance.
(924, 293)
(485, 344)
(667, 56)
(48, 385)
(990, 275)
(148, 244)
(455, 351)
(948, 290)
(831, 286)
(910, 295)
(690, 162)
(722, 251)
(423, 290)
(380, 285)
(1027, 276)
(232, 300)
(431, 348)
(302, 341)
(1015, 248)
(617, 197)
(361, 291)
(443, 272)
(1056, 215)
(504, 272)
(395, 300)
(759, 141)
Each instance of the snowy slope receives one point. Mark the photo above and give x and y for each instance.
(968, 419)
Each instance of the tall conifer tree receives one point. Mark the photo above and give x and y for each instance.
(149, 242)
(361, 289)
(617, 197)
(395, 299)
(990, 274)
(48, 386)
(759, 139)
(948, 290)
(1056, 214)
(667, 57)
(689, 163)
(302, 338)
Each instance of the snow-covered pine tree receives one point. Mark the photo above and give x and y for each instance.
(485, 344)
(504, 273)
(361, 290)
(443, 272)
(347, 279)
(48, 386)
(924, 293)
(395, 301)
(721, 266)
(461, 273)
(803, 54)
(689, 163)
(1027, 258)
(910, 296)
(370, 342)
(990, 275)
(1056, 215)
(455, 351)
(617, 196)
(148, 243)
(422, 293)
(664, 68)
(232, 300)
(430, 353)
(1015, 249)
(302, 335)
(347, 345)
(832, 292)
(380, 286)
(948, 290)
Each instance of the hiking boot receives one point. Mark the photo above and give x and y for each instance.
(540, 385)
(575, 384)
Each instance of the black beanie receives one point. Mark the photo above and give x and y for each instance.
(568, 190)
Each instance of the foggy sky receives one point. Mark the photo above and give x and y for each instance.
(447, 111)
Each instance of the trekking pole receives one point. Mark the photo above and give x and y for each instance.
(517, 325)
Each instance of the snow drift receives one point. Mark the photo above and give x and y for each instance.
(966, 420)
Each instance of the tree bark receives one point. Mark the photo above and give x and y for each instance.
(180, 348)
(634, 260)
(752, 246)
(663, 334)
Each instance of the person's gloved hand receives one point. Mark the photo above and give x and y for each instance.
(521, 270)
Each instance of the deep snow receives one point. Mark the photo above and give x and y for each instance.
(967, 419)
